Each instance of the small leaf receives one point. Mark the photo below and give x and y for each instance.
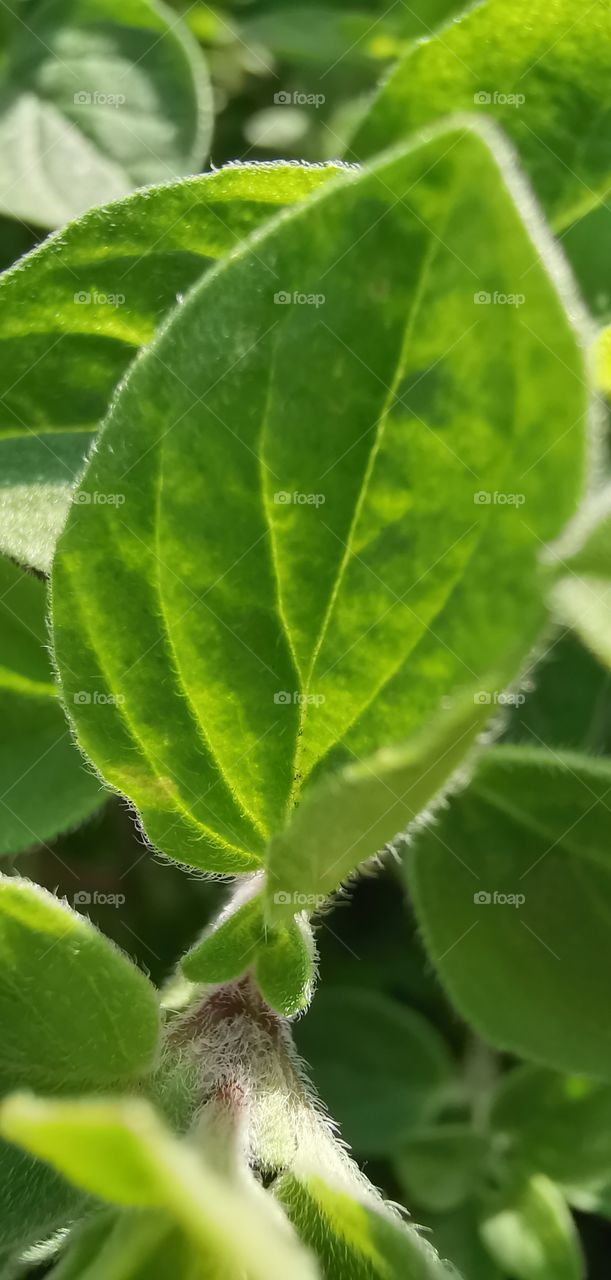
(75, 312)
(45, 787)
(102, 97)
(532, 1237)
(512, 887)
(352, 1240)
(539, 73)
(299, 636)
(121, 1152)
(282, 956)
(73, 1009)
(441, 1167)
(379, 1067)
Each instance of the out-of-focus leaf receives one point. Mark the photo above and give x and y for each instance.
(74, 1010)
(75, 312)
(512, 886)
(121, 1152)
(532, 1236)
(440, 1167)
(98, 97)
(540, 70)
(44, 784)
(379, 1067)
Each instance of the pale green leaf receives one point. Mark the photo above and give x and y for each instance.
(121, 1152)
(539, 68)
(581, 594)
(45, 786)
(238, 640)
(101, 96)
(353, 1240)
(74, 1010)
(532, 1236)
(379, 1067)
(512, 886)
(75, 311)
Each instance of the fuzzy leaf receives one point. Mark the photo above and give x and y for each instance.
(44, 784)
(74, 1010)
(120, 1152)
(351, 1239)
(298, 635)
(512, 887)
(538, 70)
(379, 1067)
(582, 593)
(75, 311)
(103, 96)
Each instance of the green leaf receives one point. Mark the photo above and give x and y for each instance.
(300, 635)
(532, 1237)
(556, 1125)
(512, 887)
(570, 704)
(75, 311)
(139, 1245)
(101, 97)
(281, 955)
(582, 593)
(352, 1240)
(74, 1010)
(122, 1153)
(34, 1199)
(44, 784)
(379, 1067)
(537, 69)
(440, 1167)
(363, 807)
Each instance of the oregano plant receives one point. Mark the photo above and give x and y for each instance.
(305, 602)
